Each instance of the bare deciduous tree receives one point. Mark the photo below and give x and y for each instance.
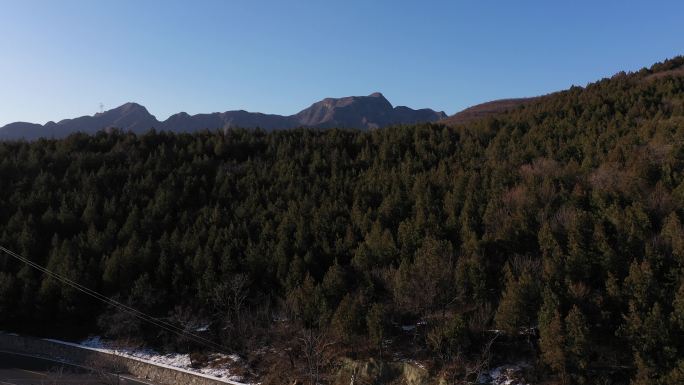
(229, 297)
(317, 353)
(238, 294)
(481, 362)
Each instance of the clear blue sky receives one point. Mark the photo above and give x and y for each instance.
(60, 59)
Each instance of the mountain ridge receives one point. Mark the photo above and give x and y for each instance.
(673, 67)
(358, 112)
(486, 109)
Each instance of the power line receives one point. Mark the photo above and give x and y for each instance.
(125, 308)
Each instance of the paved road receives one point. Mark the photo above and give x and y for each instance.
(25, 370)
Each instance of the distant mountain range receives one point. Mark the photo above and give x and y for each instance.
(361, 112)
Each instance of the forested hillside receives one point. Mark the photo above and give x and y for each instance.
(554, 230)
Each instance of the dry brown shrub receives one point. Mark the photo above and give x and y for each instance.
(515, 198)
(563, 218)
(578, 290)
(606, 177)
(540, 168)
(660, 200)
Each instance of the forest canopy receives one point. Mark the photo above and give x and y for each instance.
(557, 224)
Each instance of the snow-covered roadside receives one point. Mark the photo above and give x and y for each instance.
(217, 369)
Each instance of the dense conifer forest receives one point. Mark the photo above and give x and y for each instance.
(552, 232)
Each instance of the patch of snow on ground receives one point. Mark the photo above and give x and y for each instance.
(176, 360)
(505, 375)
